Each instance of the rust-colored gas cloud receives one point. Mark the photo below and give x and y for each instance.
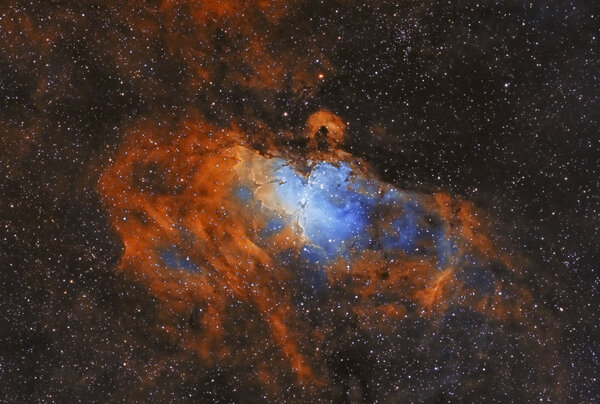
(223, 138)
(206, 220)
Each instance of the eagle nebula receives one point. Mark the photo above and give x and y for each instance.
(207, 221)
(299, 201)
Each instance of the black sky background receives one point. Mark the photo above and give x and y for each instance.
(497, 102)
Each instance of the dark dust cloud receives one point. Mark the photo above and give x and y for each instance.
(299, 201)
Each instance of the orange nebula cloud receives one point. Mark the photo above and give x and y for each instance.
(198, 246)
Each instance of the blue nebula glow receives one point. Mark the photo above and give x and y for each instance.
(243, 194)
(339, 213)
(172, 259)
(313, 254)
(445, 248)
(405, 230)
(273, 227)
(333, 215)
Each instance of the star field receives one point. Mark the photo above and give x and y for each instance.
(299, 201)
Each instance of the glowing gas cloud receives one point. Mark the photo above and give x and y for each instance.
(207, 220)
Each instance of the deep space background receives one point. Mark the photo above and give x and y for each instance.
(495, 102)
